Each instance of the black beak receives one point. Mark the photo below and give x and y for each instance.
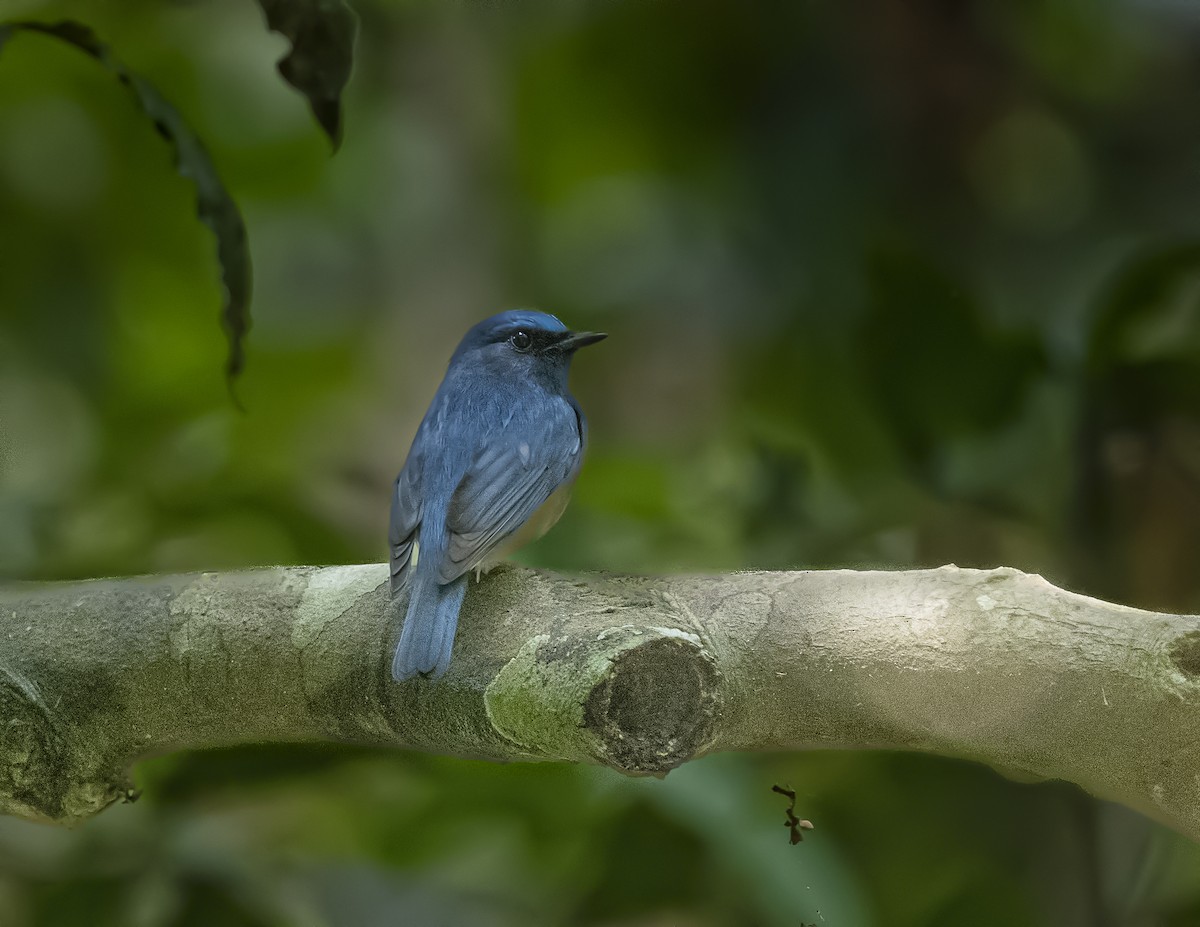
(573, 341)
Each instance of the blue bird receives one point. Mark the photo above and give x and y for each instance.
(490, 469)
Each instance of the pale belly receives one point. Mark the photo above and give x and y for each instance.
(541, 521)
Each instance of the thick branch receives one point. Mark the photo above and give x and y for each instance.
(638, 674)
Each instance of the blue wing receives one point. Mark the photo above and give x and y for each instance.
(404, 523)
(506, 483)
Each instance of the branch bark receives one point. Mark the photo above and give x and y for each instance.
(634, 673)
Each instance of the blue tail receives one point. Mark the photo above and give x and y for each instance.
(429, 625)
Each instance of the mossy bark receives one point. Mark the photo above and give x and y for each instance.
(640, 674)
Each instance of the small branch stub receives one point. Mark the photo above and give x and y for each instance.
(655, 708)
(643, 700)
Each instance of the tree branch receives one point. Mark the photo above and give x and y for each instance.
(634, 673)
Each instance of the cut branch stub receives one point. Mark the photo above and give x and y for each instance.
(655, 707)
(643, 700)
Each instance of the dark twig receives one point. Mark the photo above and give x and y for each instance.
(794, 824)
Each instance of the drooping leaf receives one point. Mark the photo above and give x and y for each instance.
(322, 53)
(214, 206)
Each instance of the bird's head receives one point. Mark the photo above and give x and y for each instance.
(523, 340)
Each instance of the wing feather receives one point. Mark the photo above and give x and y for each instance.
(507, 482)
(404, 523)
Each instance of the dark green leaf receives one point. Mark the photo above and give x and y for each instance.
(322, 37)
(214, 205)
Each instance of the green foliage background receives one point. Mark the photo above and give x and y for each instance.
(889, 285)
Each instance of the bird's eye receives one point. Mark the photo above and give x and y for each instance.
(520, 340)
